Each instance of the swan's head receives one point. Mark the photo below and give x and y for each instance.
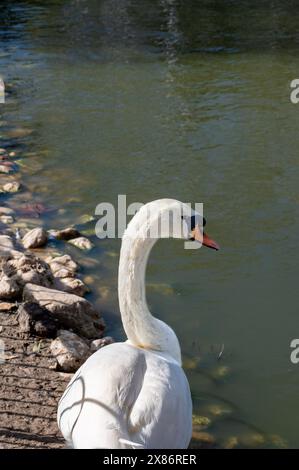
(169, 218)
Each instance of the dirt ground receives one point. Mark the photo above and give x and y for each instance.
(29, 390)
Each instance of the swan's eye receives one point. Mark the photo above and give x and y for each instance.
(194, 221)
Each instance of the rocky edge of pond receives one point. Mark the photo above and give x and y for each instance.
(48, 296)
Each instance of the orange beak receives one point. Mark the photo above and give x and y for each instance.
(204, 239)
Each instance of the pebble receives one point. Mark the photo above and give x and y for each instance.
(104, 292)
(82, 243)
(12, 187)
(85, 218)
(7, 306)
(201, 421)
(100, 343)
(6, 219)
(190, 363)
(278, 441)
(6, 211)
(203, 437)
(5, 169)
(89, 280)
(35, 238)
(66, 234)
(253, 440)
(69, 350)
(218, 410)
(231, 443)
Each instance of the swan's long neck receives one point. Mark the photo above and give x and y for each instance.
(141, 327)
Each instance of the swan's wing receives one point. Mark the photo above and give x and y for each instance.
(124, 397)
(93, 411)
(161, 416)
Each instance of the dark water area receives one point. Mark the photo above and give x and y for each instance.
(182, 99)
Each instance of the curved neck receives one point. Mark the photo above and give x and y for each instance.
(141, 327)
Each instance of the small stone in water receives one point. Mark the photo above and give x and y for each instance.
(35, 238)
(88, 280)
(18, 132)
(220, 372)
(12, 187)
(201, 421)
(82, 243)
(218, 410)
(253, 440)
(6, 219)
(278, 441)
(66, 234)
(85, 218)
(190, 363)
(5, 169)
(231, 443)
(6, 211)
(104, 292)
(203, 437)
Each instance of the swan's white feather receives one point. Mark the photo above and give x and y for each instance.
(124, 396)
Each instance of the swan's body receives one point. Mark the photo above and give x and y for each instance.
(132, 394)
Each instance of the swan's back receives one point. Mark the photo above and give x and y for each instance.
(126, 394)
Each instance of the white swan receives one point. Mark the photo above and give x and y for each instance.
(135, 394)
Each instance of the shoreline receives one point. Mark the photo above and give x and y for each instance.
(43, 342)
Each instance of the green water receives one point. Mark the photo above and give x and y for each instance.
(189, 100)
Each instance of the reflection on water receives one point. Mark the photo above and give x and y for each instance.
(187, 100)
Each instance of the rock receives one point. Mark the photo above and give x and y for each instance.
(7, 306)
(278, 441)
(231, 442)
(63, 266)
(88, 279)
(6, 219)
(66, 234)
(164, 289)
(28, 268)
(82, 242)
(191, 363)
(35, 320)
(71, 310)
(6, 244)
(7, 248)
(6, 211)
(202, 439)
(12, 187)
(33, 209)
(35, 238)
(18, 132)
(100, 343)
(69, 350)
(85, 218)
(253, 440)
(220, 372)
(71, 285)
(219, 409)
(9, 288)
(200, 422)
(104, 292)
(5, 169)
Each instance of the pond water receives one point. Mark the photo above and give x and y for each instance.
(189, 100)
